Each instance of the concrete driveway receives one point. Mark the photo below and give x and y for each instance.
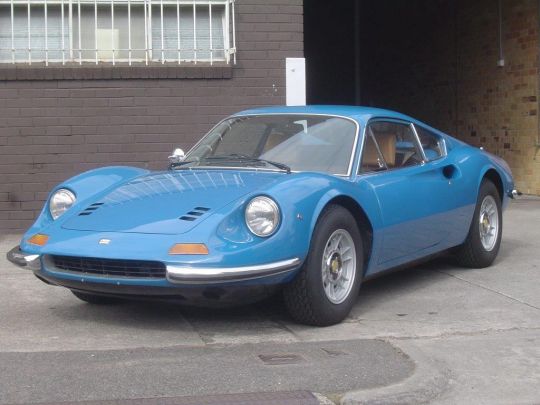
(434, 333)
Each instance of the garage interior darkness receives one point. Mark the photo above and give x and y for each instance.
(439, 61)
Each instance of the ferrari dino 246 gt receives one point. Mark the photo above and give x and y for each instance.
(307, 200)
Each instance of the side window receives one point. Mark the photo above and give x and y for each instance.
(432, 144)
(397, 143)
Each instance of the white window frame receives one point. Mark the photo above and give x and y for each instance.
(72, 51)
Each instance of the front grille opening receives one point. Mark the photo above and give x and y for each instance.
(186, 218)
(202, 209)
(109, 267)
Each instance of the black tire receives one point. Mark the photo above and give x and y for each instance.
(472, 252)
(96, 299)
(305, 297)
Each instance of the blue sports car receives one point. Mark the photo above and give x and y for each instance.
(309, 200)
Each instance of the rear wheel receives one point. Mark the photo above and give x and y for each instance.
(96, 299)
(484, 239)
(325, 290)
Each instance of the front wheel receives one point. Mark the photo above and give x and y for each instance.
(325, 290)
(484, 239)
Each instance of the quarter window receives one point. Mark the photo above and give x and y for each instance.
(432, 144)
(111, 31)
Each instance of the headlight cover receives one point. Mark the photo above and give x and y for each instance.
(61, 201)
(262, 216)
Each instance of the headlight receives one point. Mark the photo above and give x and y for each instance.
(262, 216)
(60, 202)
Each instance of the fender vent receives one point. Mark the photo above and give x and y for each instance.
(90, 209)
(194, 214)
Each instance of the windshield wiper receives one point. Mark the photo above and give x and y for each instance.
(248, 159)
(176, 165)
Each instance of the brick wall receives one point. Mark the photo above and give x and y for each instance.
(51, 130)
(438, 61)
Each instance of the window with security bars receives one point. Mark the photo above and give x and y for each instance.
(113, 31)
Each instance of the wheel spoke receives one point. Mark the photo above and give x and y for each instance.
(489, 222)
(346, 259)
(336, 241)
(338, 266)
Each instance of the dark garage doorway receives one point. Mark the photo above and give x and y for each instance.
(382, 53)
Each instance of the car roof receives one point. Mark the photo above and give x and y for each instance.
(358, 113)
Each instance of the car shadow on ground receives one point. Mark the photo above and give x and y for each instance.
(167, 316)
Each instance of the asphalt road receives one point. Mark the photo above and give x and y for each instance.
(434, 333)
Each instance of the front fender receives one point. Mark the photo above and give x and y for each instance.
(304, 197)
(86, 186)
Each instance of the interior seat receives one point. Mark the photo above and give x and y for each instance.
(387, 146)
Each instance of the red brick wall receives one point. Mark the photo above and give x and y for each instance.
(51, 130)
(437, 61)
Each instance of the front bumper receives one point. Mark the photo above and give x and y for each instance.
(26, 260)
(202, 275)
(175, 274)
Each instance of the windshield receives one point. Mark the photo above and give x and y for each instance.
(299, 142)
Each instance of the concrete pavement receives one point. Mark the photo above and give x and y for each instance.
(433, 333)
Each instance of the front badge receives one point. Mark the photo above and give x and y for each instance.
(104, 241)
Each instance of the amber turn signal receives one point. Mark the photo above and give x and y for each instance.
(189, 249)
(38, 239)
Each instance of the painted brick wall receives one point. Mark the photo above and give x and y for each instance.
(51, 130)
(442, 68)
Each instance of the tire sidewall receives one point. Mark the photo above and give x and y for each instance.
(334, 218)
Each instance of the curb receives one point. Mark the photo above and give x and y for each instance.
(429, 380)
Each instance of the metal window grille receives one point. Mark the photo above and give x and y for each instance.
(114, 31)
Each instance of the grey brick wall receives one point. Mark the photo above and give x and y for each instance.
(51, 130)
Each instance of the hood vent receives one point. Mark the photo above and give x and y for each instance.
(89, 210)
(194, 214)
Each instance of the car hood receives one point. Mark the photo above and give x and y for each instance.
(167, 202)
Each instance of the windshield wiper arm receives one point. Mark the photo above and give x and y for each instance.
(247, 159)
(279, 165)
(176, 165)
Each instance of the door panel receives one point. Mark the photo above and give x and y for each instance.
(417, 198)
(417, 205)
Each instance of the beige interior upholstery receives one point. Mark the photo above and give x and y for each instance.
(370, 156)
(387, 145)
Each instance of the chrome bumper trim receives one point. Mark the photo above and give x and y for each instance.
(26, 260)
(198, 275)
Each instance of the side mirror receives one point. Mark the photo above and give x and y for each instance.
(177, 156)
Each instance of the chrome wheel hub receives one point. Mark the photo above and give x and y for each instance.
(338, 266)
(489, 223)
